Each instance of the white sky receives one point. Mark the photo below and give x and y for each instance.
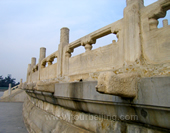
(27, 25)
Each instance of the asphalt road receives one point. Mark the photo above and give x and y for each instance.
(11, 120)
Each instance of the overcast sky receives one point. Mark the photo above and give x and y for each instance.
(27, 25)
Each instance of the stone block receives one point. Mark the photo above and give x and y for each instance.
(46, 86)
(30, 86)
(154, 91)
(124, 85)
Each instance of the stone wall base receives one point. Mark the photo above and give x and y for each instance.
(40, 116)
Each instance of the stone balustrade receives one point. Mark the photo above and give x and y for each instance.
(49, 59)
(135, 48)
(10, 90)
(91, 38)
(129, 76)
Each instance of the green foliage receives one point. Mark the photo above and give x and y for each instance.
(4, 82)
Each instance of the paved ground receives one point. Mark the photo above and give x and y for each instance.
(11, 120)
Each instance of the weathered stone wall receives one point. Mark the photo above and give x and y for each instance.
(40, 116)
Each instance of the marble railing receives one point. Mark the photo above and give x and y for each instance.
(141, 49)
(49, 59)
(10, 91)
(90, 39)
(138, 42)
(155, 42)
(130, 76)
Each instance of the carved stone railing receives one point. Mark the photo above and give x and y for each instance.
(155, 42)
(12, 90)
(141, 49)
(130, 76)
(90, 39)
(49, 59)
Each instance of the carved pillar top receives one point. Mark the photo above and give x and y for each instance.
(129, 2)
(64, 35)
(42, 54)
(33, 61)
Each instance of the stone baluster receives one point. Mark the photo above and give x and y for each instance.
(87, 42)
(49, 63)
(50, 60)
(165, 22)
(153, 23)
(36, 68)
(88, 47)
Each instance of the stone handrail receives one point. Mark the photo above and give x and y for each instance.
(13, 90)
(135, 51)
(156, 10)
(155, 40)
(49, 59)
(128, 77)
(15, 87)
(91, 38)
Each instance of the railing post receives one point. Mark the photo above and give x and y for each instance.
(64, 40)
(20, 81)
(42, 54)
(132, 41)
(67, 55)
(9, 89)
(165, 22)
(33, 63)
(41, 57)
(28, 73)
